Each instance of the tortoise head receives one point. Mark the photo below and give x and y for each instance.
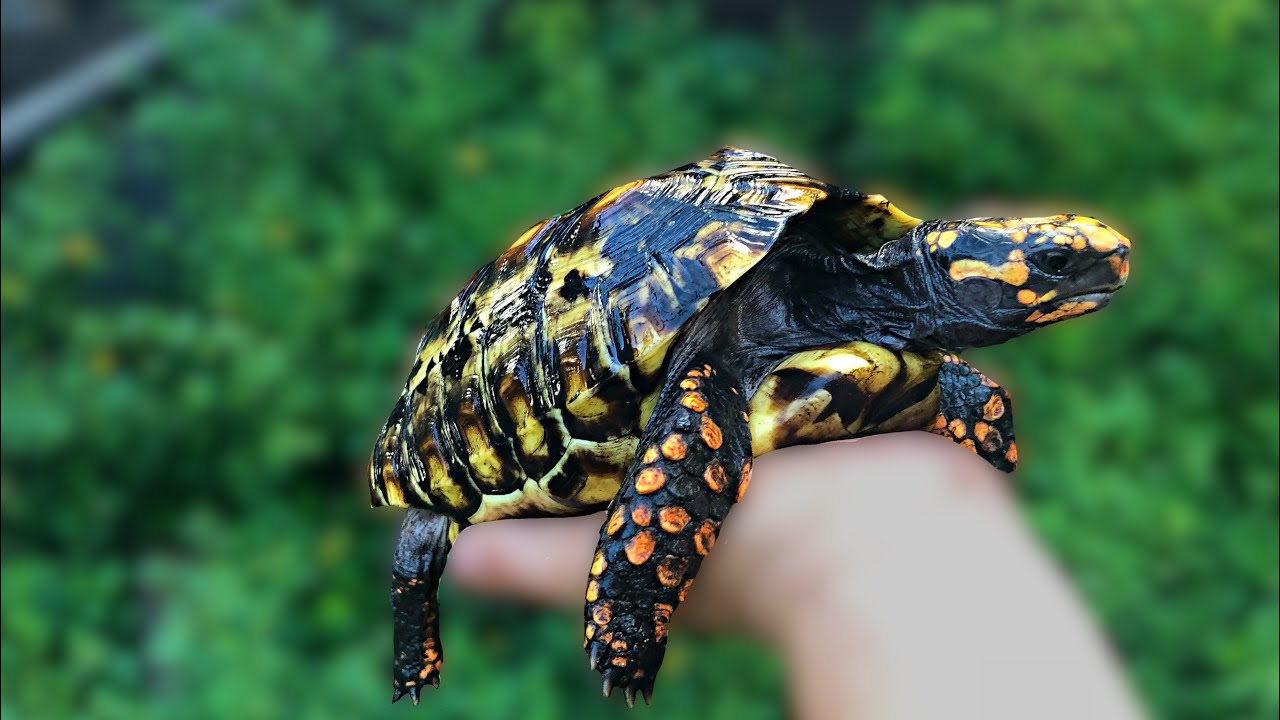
(997, 278)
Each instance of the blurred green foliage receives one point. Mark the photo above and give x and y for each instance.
(210, 291)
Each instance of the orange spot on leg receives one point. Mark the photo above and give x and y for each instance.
(616, 520)
(715, 477)
(705, 538)
(673, 519)
(641, 514)
(671, 570)
(695, 401)
(958, 428)
(711, 434)
(980, 430)
(598, 564)
(993, 409)
(639, 548)
(650, 480)
(674, 448)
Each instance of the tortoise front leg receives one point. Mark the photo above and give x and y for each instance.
(425, 540)
(857, 389)
(975, 412)
(693, 464)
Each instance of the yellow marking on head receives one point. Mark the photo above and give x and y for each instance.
(1078, 244)
(1119, 265)
(1026, 297)
(1066, 310)
(947, 238)
(1016, 255)
(1103, 239)
(639, 547)
(1018, 236)
(1013, 273)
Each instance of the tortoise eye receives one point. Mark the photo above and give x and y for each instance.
(1053, 262)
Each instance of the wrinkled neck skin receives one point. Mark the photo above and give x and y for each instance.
(809, 292)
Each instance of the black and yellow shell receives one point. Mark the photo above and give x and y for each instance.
(529, 390)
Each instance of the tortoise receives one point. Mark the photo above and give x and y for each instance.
(636, 352)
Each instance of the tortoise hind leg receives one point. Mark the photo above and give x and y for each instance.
(693, 461)
(425, 539)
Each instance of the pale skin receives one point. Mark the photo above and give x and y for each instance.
(893, 574)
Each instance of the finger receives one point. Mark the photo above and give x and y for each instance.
(536, 560)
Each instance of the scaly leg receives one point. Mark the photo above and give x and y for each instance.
(693, 464)
(425, 539)
(975, 412)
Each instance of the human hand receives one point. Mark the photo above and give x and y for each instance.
(893, 574)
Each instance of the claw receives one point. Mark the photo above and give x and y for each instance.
(647, 692)
(396, 694)
(414, 692)
(597, 654)
(631, 696)
(435, 681)
(607, 686)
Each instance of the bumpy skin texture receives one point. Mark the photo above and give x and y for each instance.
(976, 413)
(694, 464)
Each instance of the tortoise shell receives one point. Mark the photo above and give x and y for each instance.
(528, 391)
